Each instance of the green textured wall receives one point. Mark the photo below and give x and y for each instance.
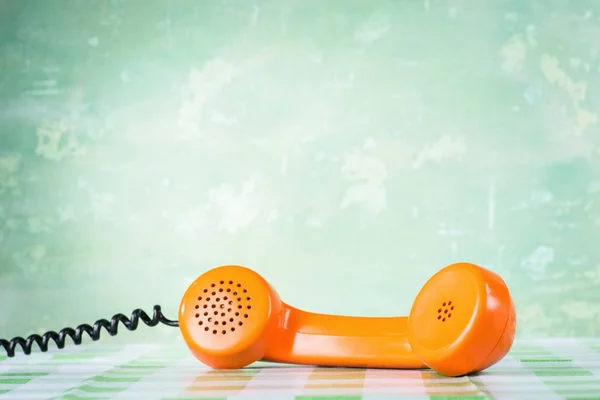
(345, 149)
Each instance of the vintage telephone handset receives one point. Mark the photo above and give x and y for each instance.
(462, 321)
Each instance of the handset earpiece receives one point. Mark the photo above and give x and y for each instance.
(231, 317)
(462, 321)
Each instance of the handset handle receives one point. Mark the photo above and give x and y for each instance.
(329, 340)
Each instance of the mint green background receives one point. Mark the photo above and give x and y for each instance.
(344, 149)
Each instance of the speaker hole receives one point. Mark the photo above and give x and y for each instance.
(449, 315)
(228, 290)
(224, 297)
(439, 310)
(215, 332)
(237, 314)
(197, 306)
(216, 322)
(197, 315)
(205, 290)
(445, 311)
(208, 299)
(214, 306)
(443, 319)
(439, 317)
(205, 313)
(235, 293)
(214, 293)
(212, 285)
(223, 331)
(205, 306)
(221, 282)
(220, 289)
(232, 329)
(240, 323)
(222, 314)
(200, 298)
(210, 319)
(206, 329)
(245, 291)
(230, 319)
(239, 285)
(452, 308)
(249, 307)
(218, 299)
(248, 298)
(216, 313)
(239, 299)
(449, 303)
(229, 310)
(231, 282)
(200, 323)
(245, 315)
(444, 304)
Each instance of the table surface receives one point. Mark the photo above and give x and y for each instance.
(541, 369)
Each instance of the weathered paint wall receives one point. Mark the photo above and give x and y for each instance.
(345, 149)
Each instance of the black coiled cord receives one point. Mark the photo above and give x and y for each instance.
(112, 327)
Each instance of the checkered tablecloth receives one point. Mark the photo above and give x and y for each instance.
(541, 370)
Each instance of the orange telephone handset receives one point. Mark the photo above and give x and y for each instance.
(462, 321)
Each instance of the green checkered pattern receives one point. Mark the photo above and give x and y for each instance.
(537, 370)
